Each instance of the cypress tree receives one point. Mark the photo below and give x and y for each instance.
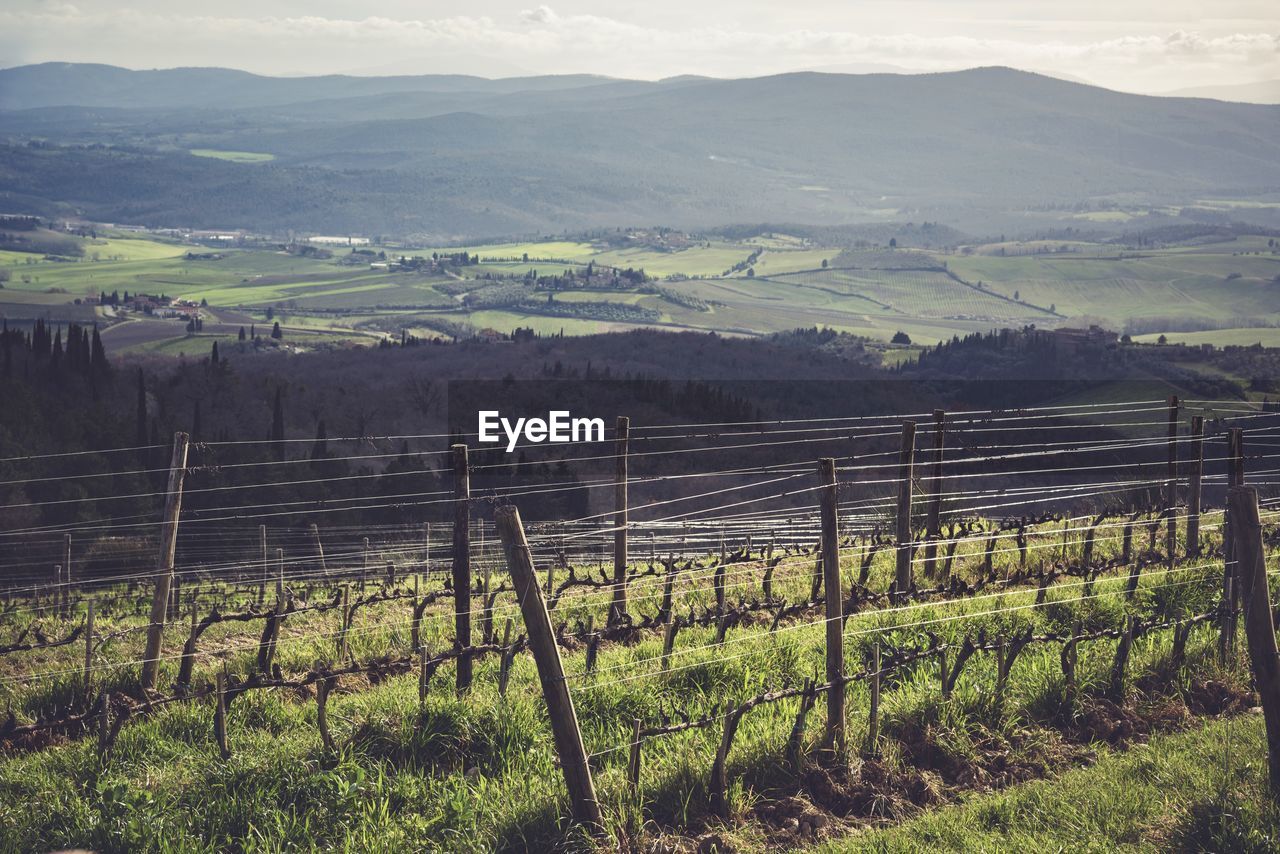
(142, 410)
(277, 424)
(98, 360)
(319, 449)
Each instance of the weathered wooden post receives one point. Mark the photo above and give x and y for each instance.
(906, 458)
(835, 735)
(279, 578)
(1230, 583)
(324, 685)
(364, 563)
(319, 546)
(262, 585)
(424, 674)
(346, 622)
(873, 713)
(564, 720)
(1259, 625)
(88, 648)
(1171, 486)
(633, 760)
(618, 608)
(462, 562)
(164, 563)
(104, 726)
(934, 519)
(220, 716)
(66, 571)
(1194, 478)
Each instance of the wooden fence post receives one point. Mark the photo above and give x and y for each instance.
(618, 607)
(1171, 487)
(315, 538)
(426, 548)
(324, 685)
(1194, 481)
(934, 519)
(220, 716)
(1230, 589)
(505, 659)
(279, 577)
(66, 572)
(564, 720)
(164, 564)
(906, 458)
(633, 760)
(1258, 624)
(462, 562)
(262, 585)
(104, 725)
(873, 713)
(832, 595)
(88, 648)
(364, 563)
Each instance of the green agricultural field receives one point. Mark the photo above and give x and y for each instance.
(395, 764)
(234, 156)
(931, 296)
(1246, 337)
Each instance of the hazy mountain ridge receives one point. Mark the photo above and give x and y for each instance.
(461, 155)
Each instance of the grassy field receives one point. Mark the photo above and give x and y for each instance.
(931, 296)
(234, 156)
(1203, 790)
(478, 772)
(1267, 337)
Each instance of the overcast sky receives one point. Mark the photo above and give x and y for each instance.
(1138, 45)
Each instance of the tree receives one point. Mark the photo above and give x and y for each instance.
(320, 448)
(900, 337)
(141, 437)
(275, 331)
(824, 263)
(1163, 339)
(242, 334)
(277, 423)
(213, 355)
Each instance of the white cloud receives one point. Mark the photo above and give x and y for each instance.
(545, 41)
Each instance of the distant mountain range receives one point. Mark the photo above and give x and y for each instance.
(1260, 92)
(467, 156)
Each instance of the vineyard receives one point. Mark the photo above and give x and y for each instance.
(814, 631)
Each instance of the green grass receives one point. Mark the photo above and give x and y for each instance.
(234, 156)
(398, 779)
(1203, 790)
(1245, 337)
(790, 290)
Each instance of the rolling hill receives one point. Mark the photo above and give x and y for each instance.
(462, 156)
